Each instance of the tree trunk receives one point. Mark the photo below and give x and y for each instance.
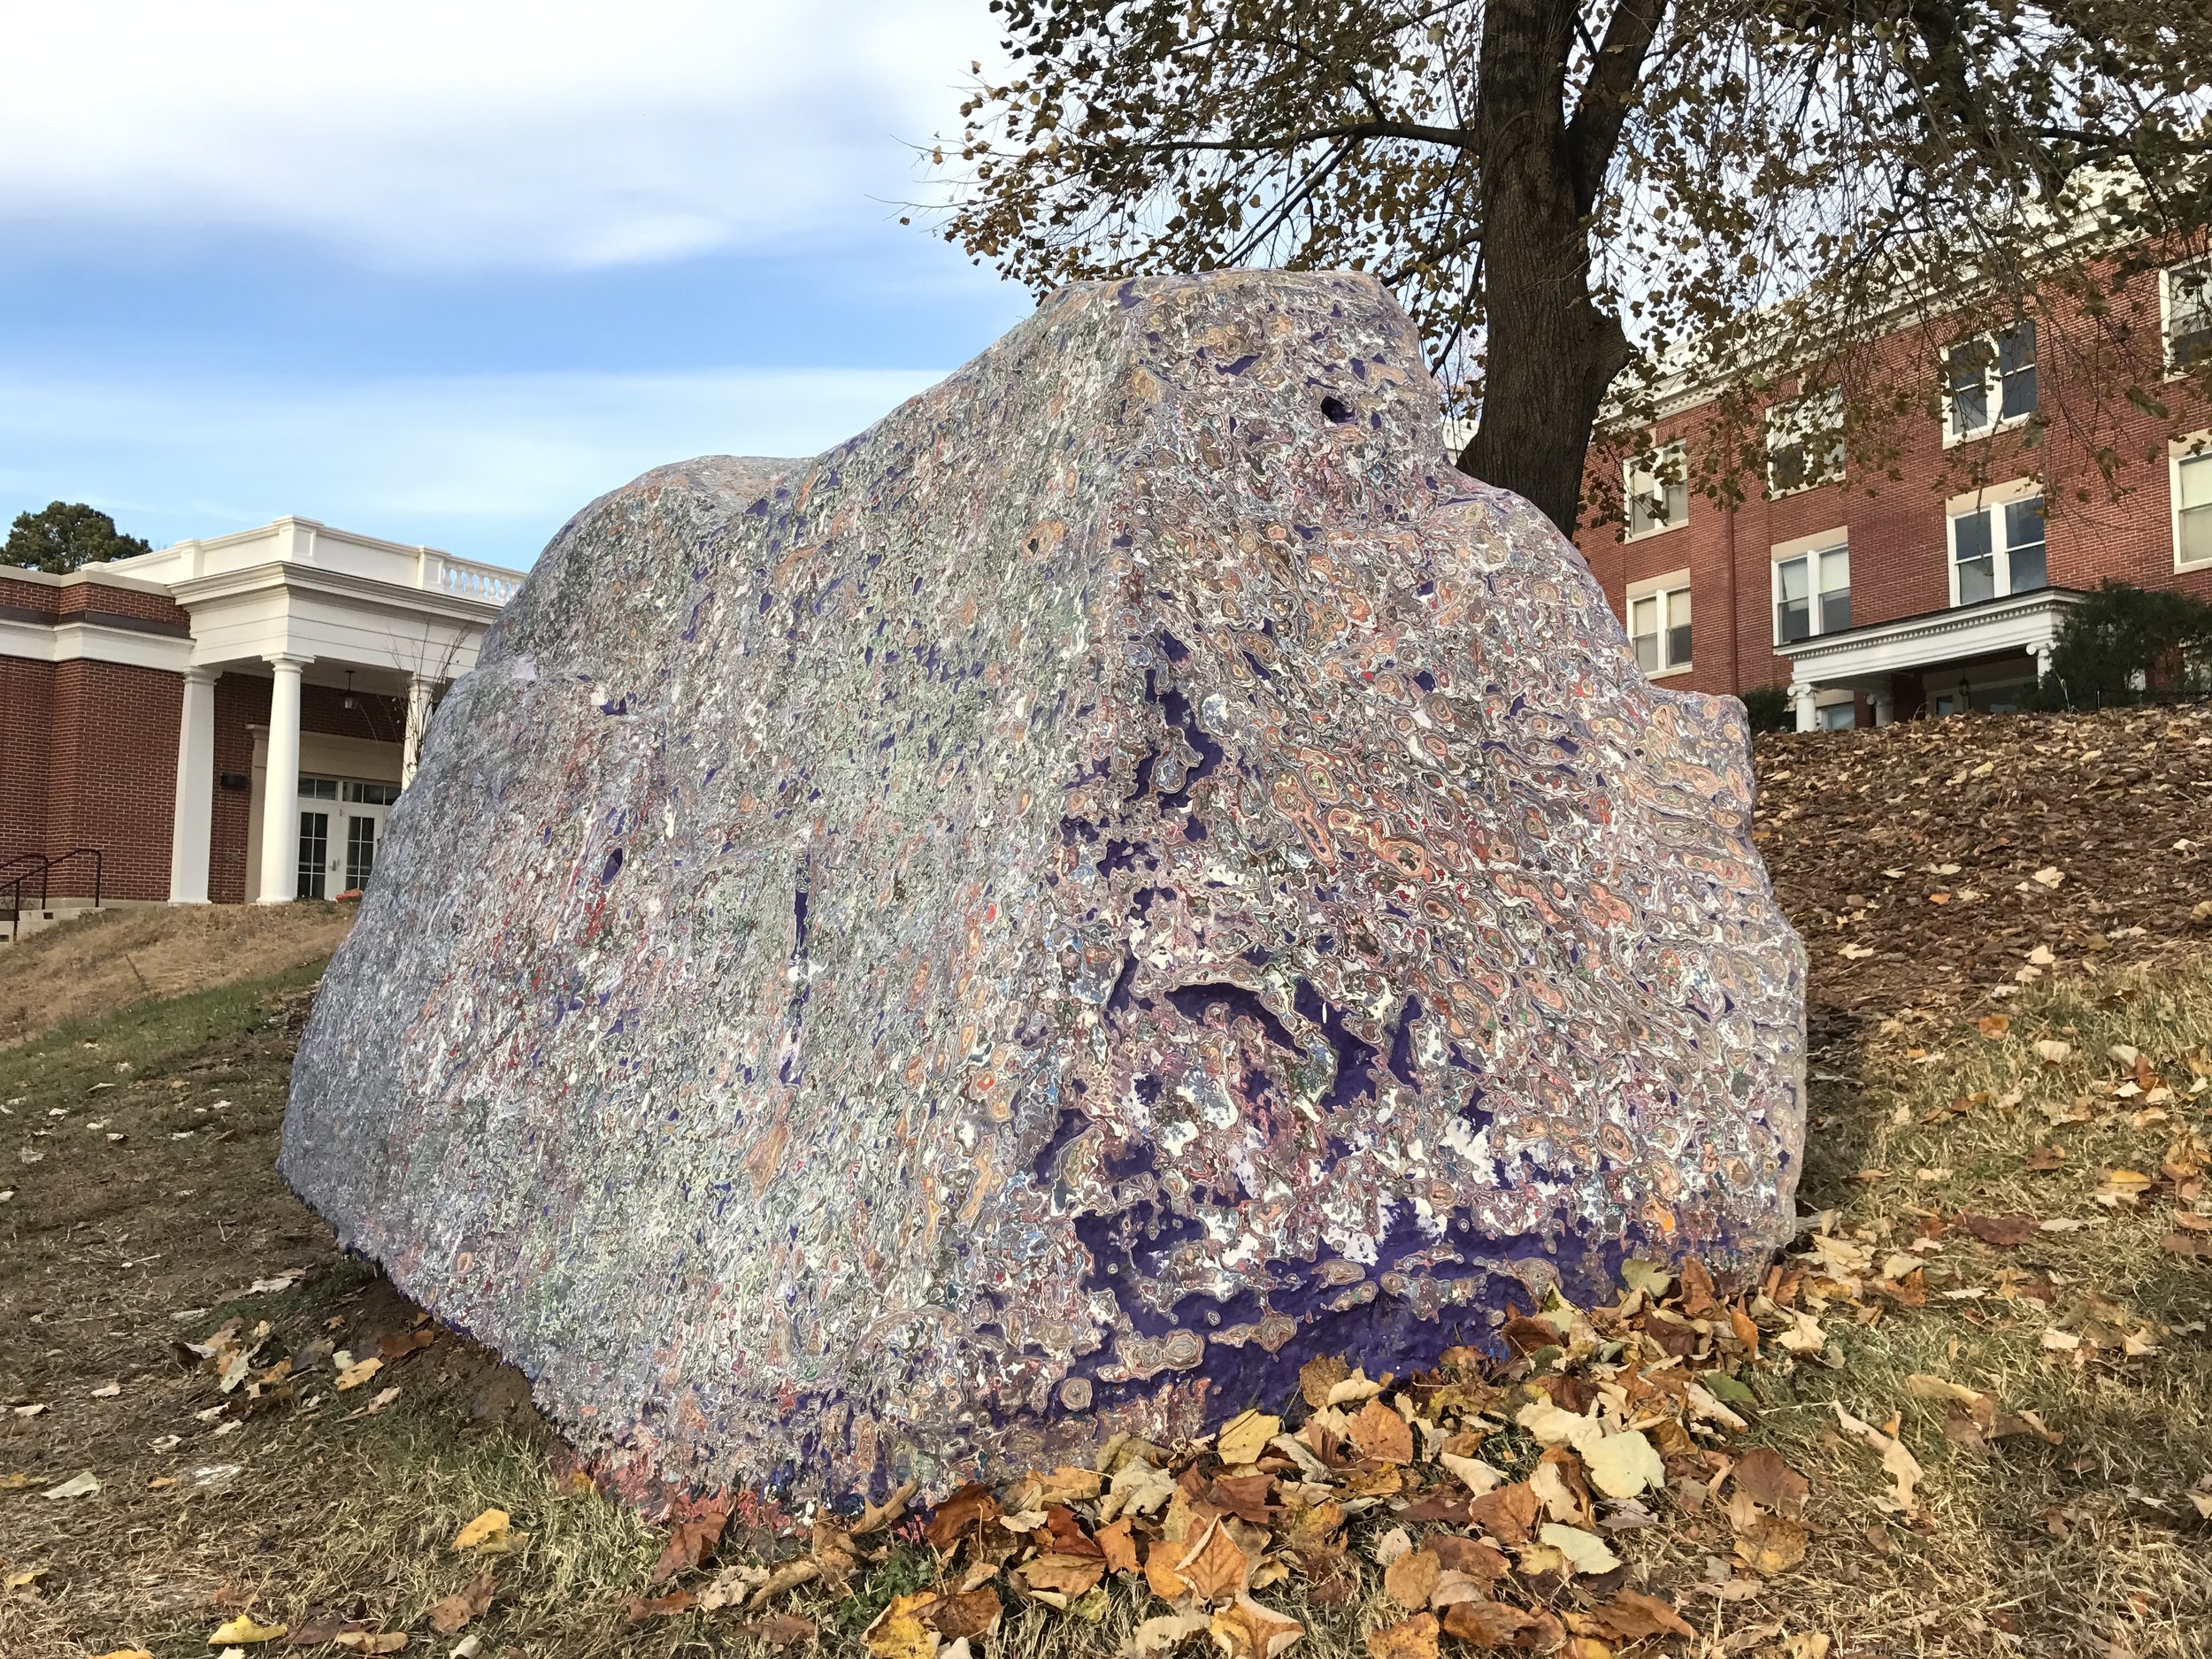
(1551, 353)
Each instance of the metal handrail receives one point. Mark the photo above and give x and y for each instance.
(43, 869)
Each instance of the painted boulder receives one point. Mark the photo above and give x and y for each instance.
(1128, 874)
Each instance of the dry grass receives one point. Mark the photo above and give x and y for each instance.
(110, 959)
(2088, 1547)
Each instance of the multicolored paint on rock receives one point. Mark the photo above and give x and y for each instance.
(1127, 874)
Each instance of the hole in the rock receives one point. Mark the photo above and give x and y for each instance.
(1336, 410)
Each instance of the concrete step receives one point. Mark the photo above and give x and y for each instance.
(31, 922)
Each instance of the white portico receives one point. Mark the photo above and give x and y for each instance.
(317, 612)
(2000, 646)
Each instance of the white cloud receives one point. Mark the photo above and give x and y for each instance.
(472, 132)
(487, 466)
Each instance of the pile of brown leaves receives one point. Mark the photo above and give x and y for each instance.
(1484, 1496)
(1938, 861)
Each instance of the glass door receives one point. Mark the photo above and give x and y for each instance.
(364, 828)
(314, 849)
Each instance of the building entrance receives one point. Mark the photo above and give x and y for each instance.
(341, 829)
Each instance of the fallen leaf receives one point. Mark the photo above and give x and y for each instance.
(355, 1639)
(1993, 1026)
(1160, 1573)
(243, 1631)
(1246, 1630)
(875, 1517)
(78, 1485)
(1411, 1579)
(965, 1509)
(2006, 1231)
(1771, 1482)
(1065, 1575)
(1413, 1638)
(1214, 1566)
(1631, 1616)
(1318, 1375)
(358, 1373)
(2052, 1052)
(487, 1529)
(1897, 1461)
(1245, 1437)
(970, 1613)
(1768, 1544)
(453, 1612)
(1117, 1543)
(1586, 1552)
(1381, 1434)
(125, 1653)
(689, 1543)
(1624, 1465)
(1473, 1473)
(638, 1608)
(1490, 1623)
(1509, 1514)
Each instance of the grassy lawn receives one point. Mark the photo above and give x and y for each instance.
(2007, 1278)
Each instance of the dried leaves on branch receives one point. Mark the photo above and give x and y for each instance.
(1561, 191)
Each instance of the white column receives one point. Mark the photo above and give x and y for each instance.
(280, 796)
(1884, 706)
(419, 688)
(192, 828)
(2042, 659)
(1808, 714)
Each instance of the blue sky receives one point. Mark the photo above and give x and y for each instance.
(446, 275)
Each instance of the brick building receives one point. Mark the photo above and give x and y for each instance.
(1940, 585)
(166, 719)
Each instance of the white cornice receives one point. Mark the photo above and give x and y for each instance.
(72, 639)
(286, 574)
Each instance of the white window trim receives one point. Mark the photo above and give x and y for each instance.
(1993, 388)
(1659, 588)
(2173, 371)
(1987, 500)
(1631, 471)
(1774, 491)
(1807, 548)
(2197, 445)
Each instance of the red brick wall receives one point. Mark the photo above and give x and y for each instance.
(2097, 528)
(26, 717)
(112, 776)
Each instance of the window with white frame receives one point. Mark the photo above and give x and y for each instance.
(1659, 623)
(1997, 549)
(1812, 592)
(2185, 304)
(1805, 442)
(1658, 491)
(1989, 382)
(2192, 501)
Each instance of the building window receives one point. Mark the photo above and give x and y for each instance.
(2185, 302)
(2192, 504)
(1989, 382)
(1805, 442)
(1812, 593)
(1659, 492)
(1659, 625)
(1997, 549)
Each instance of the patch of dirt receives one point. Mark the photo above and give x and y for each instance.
(110, 959)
